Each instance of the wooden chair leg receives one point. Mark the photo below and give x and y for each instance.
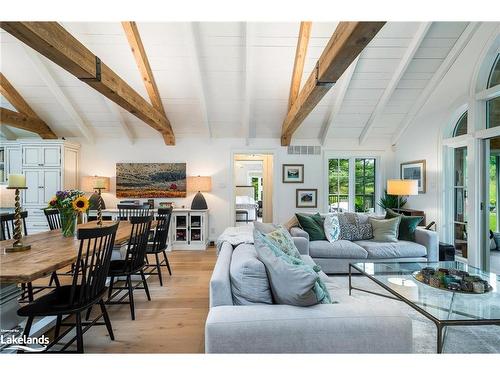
(57, 330)
(168, 264)
(131, 297)
(110, 288)
(106, 319)
(30, 292)
(89, 310)
(158, 267)
(79, 333)
(145, 283)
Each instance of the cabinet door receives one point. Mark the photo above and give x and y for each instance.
(51, 184)
(14, 161)
(34, 192)
(70, 169)
(51, 156)
(181, 228)
(32, 156)
(195, 228)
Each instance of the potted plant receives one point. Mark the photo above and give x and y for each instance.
(391, 201)
(69, 203)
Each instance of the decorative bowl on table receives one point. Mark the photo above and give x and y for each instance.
(453, 280)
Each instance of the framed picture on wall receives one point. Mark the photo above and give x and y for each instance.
(415, 170)
(306, 198)
(293, 173)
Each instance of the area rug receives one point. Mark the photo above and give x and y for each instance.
(475, 339)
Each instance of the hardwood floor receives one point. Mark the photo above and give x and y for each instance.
(172, 322)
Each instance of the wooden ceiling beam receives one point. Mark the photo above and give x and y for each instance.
(25, 122)
(141, 59)
(58, 45)
(346, 43)
(26, 116)
(300, 59)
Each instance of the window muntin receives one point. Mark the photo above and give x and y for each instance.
(461, 126)
(494, 78)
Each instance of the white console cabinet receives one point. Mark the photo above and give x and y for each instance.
(49, 166)
(189, 229)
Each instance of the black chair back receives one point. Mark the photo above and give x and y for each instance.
(92, 264)
(162, 228)
(126, 211)
(7, 225)
(138, 241)
(53, 218)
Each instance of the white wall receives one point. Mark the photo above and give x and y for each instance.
(423, 138)
(212, 158)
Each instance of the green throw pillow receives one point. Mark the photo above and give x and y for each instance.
(385, 230)
(407, 226)
(313, 225)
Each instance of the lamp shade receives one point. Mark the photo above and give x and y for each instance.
(90, 183)
(199, 183)
(402, 187)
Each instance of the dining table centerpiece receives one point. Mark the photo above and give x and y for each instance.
(69, 203)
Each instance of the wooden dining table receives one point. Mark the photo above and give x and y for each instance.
(50, 251)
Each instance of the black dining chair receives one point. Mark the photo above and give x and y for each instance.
(133, 264)
(159, 244)
(7, 225)
(87, 289)
(53, 218)
(126, 211)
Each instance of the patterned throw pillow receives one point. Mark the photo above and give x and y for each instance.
(284, 241)
(352, 229)
(332, 227)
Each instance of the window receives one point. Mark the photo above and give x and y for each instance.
(461, 127)
(351, 184)
(493, 105)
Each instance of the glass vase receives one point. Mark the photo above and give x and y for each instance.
(68, 223)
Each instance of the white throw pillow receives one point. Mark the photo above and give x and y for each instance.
(332, 227)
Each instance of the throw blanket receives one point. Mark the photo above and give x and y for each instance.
(235, 236)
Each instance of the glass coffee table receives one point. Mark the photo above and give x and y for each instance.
(443, 307)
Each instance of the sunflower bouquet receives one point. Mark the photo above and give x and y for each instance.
(69, 203)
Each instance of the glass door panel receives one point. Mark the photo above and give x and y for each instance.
(181, 228)
(460, 201)
(493, 203)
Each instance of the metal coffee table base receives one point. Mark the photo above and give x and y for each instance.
(441, 325)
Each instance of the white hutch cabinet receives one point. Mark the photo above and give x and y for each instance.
(49, 166)
(189, 229)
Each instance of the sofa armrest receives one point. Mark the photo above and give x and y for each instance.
(302, 245)
(220, 284)
(430, 240)
(338, 328)
(299, 232)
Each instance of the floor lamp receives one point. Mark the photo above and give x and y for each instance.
(402, 188)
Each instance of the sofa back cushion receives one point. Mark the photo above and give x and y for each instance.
(313, 225)
(249, 282)
(385, 230)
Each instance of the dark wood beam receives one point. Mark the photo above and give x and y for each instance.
(300, 58)
(58, 45)
(27, 116)
(346, 43)
(25, 122)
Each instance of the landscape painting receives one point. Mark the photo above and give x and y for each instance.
(151, 180)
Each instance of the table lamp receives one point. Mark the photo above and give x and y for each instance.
(402, 187)
(17, 182)
(199, 184)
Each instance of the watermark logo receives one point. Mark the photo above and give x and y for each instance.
(12, 339)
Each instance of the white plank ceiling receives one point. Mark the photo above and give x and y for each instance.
(215, 70)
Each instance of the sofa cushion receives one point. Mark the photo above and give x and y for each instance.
(284, 241)
(313, 225)
(385, 230)
(332, 227)
(264, 227)
(354, 226)
(407, 226)
(400, 249)
(337, 249)
(249, 282)
(292, 281)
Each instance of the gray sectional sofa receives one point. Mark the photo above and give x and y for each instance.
(334, 258)
(348, 326)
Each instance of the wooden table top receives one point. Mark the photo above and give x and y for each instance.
(49, 252)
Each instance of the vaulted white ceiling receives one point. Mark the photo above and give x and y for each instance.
(231, 79)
